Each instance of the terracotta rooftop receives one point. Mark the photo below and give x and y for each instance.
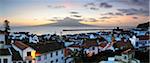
(20, 45)
(124, 45)
(145, 37)
(90, 42)
(103, 44)
(46, 47)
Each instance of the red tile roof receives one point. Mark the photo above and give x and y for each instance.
(103, 44)
(20, 45)
(145, 37)
(90, 42)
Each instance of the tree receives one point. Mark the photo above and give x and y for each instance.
(6, 25)
(7, 28)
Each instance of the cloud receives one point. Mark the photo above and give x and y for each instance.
(142, 3)
(94, 8)
(130, 13)
(89, 4)
(78, 16)
(113, 14)
(135, 17)
(73, 12)
(110, 13)
(105, 5)
(52, 20)
(56, 6)
(120, 14)
(97, 6)
(133, 11)
(90, 20)
(106, 17)
(134, 3)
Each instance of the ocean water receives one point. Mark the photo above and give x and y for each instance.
(57, 29)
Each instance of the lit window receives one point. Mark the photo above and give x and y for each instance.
(28, 53)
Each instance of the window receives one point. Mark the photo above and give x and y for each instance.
(93, 48)
(56, 60)
(56, 53)
(24, 62)
(19, 62)
(51, 55)
(5, 61)
(30, 61)
(45, 56)
(0, 61)
(62, 51)
(14, 62)
(125, 57)
(51, 61)
(39, 58)
(62, 58)
(28, 53)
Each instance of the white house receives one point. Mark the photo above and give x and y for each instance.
(140, 41)
(5, 56)
(139, 31)
(51, 52)
(2, 39)
(2, 36)
(33, 39)
(126, 57)
(27, 53)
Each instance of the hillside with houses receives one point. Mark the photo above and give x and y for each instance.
(116, 46)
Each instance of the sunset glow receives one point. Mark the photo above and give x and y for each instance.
(103, 12)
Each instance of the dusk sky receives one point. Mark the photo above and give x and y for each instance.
(91, 12)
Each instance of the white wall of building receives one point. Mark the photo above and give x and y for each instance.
(92, 49)
(2, 37)
(54, 57)
(25, 52)
(8, 57)
(17, 49)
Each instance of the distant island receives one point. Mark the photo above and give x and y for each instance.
(69, 22)
(143, 25)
